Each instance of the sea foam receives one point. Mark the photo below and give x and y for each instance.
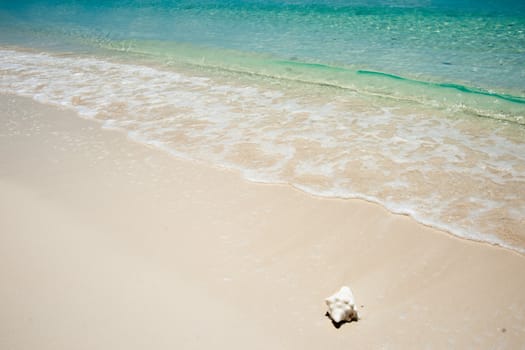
(450, 170)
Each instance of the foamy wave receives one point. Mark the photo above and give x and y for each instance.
(466, 176)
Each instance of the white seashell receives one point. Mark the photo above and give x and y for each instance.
(341, 306)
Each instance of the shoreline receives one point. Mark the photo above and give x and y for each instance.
(368, 150)
(127, 246)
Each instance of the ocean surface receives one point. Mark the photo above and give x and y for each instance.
(418, 105)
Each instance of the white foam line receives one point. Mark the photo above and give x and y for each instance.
(213, 120)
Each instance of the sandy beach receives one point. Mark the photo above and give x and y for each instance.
(108, 244)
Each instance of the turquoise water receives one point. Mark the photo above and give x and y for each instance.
(437, 47)
(417, 105)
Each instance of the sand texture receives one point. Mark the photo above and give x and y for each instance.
(108, 244)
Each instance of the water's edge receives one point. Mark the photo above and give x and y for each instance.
(149, 126)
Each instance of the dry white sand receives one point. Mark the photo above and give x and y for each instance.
(108, 244)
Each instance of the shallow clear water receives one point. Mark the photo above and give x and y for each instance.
(417, 105)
